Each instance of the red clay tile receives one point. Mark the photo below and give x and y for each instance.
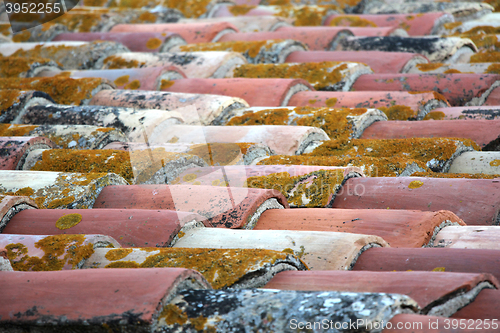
(421, 24)
(462, 11)
(257, 92)
(72, 55)
(400, 228)
(429, 259)
(191, 32)
(491, 99)
(441, 295)
(255, 266)
(89, 137)
(247, 23)
(15, 149)
(318, 250)
(134, 41)
(229, 207)
(457, 88)
(25, 67)
(52, 253)
(419, 103)
(484, 132)
(379, 62)
(11, 205)
(135, 124)
(115, 295)
(436, 49)
(50, 189)
(485, 162)
(485, 306)
(196, 109)
(203, 65)
(130, 227)
(475, 201)
(316, 38)
(467, 112)
(149, 78)
(412, 323)
(15, 101)
(440, 68)
(470, 237)
(281, 139)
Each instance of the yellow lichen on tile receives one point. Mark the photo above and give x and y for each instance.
(59, 250)
(8, 97)
(435, 115)
(11, 67)
(217, 153)
(455, 175)
(153, 43)
(399, 112)
(240, 10)
(320, 75)
(14, 129)
(312, 190)
(117, 62)
(306, 15)
(68, 221)
(122, 80)
(415, 184)
(495, 163)
(118, 254)
(430, 66)
(351, 21)
(221, 267)
(486, 56)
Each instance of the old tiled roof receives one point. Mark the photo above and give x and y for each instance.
(251, 165)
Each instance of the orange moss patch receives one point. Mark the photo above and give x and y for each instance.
(122, 80)
(221, 267)
(147, 17)
(435, 115)
(59, 250)
(136, 84)
(165, 84)
(190, 8)
(14, 129)
(454, 175)
(306, 15)
(334, 122)
(63, 90)
(495, 163)
(399, 112)
(8, 98)
(351, 21)
(217, 153)
(172, 314)
(118, 254)
(488, 56)
(68, 221)
(22, 36)
(16, 66)
(240, 10)
(153, 43)
(429, 67)
(415, 184)
(452, 71)
(321, 75)
(252, 48)
(117, 62)
(493, 69)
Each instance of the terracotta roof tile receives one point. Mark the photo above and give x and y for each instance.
(283, 310)
(52, 252)
(134, 41)
(286, 140)
(458, 89)
(132, 122)
(247, 23)
(440, 68)
(400, 105)
(399, 228)
(61, 89)
(116, 296)
(223, 268)
(191, 32)
(378, 61)
(318, 250)
(485, 306)
(229, 207)
(67, 136)
(316, 38)
(484, 132)
(329, 75)
(57, 189)
(150, 78)
(255, 52)
(13, 102)
(214, 154)
(72, 55)
(478, 162)
(436, 49)
(11, 205)
(14, 150)
(441, 295)
(470, 237)
(129, 227)
(257, 92)
(430, 259)
(216, 65)
(196, 109)
(465, 112)
(421, 24)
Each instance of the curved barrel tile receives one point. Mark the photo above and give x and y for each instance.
(23, 67)
(485, 306)
(13, 102)
(470, 237)
(229, 207)
(485, 162)
(11, 205)
(130, 227)
(459, 196)
(14, 150)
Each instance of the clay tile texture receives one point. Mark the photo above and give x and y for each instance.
(250, 165)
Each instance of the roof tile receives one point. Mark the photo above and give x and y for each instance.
(14, 150)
